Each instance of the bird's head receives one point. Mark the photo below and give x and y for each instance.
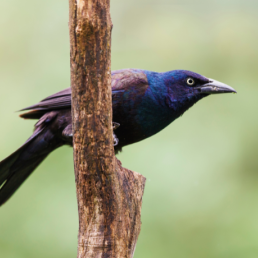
(184, 88)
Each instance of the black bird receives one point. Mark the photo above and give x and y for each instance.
(144, 103)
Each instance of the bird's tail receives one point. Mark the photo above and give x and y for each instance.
(16, 168)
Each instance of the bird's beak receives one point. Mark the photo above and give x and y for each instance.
(214, 87)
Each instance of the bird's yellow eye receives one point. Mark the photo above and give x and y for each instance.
(190, 81)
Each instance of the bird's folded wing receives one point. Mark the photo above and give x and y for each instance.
(122, 80)
(58, 100)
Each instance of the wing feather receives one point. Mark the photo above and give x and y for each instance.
(122, 80)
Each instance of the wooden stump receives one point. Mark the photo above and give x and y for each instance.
(109, 196)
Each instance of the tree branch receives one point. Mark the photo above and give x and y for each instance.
(109, 196)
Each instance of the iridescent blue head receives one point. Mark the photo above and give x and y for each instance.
(184, 88)
(171, 93)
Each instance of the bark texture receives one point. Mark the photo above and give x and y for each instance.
(109, 196)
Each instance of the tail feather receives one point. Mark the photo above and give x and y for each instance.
(19, 175)
(16, 168)
(6, 164)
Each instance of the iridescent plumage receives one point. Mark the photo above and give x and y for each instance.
(144, 103)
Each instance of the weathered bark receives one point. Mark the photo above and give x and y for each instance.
(109, 196)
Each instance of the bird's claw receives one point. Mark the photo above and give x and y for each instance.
(115, 139)
(115, 125)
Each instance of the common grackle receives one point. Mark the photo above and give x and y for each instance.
(144, 103)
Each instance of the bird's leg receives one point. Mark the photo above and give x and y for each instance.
(68, 134)
(115, 125)
(115, 139)
(68, 131)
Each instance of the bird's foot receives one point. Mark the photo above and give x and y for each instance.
(115, 139)
(115, 125)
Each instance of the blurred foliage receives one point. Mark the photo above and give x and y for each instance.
(202, 180)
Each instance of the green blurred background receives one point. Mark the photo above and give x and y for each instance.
(201, 197)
